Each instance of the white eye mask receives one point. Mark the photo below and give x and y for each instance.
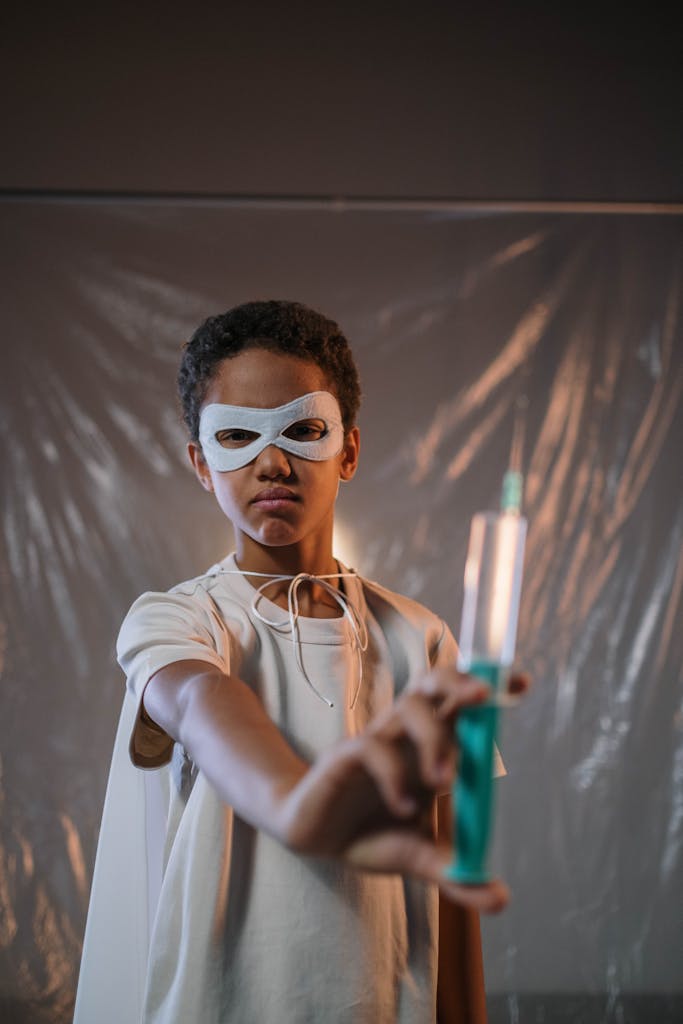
(270, 425)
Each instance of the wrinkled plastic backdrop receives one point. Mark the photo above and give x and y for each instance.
(452, 318)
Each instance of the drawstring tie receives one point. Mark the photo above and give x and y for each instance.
(359, 630)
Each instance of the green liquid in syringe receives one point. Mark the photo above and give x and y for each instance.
(489, 671)
(473, 790)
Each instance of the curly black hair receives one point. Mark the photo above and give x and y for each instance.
(288, 327)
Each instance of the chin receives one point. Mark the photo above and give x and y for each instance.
(277, 537)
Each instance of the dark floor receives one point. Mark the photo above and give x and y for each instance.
(502, 1009)
(586, 1009)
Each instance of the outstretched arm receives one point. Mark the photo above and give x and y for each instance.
(368, 800)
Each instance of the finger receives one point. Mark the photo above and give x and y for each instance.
(489, 898)
(438, 682)
(384, 764)
(433, 860)
(512, 692)
(468, 691)
(408, 853)
(449, 689)
(432, 739)
(518, 684)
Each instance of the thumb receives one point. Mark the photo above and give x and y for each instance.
(409, 853)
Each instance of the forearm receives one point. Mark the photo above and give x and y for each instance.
(365, 800)
(227, 733)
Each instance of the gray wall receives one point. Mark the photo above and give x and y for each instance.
(515, 101)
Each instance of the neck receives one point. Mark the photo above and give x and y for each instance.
(284, 561)
(288, 560)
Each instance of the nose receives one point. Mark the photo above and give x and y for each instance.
(273, 462)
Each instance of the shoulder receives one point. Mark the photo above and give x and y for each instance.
(412, 611)
(200, 606)
(201, 585)
(407, 617)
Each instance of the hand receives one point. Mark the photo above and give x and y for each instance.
(370, 800)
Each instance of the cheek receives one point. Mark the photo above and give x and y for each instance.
(225, 488)
(326, 486)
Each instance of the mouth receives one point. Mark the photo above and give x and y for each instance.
(274, 498)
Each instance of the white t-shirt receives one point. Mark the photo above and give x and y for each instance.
(196, 917)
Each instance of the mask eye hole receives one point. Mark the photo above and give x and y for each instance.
(306, 430)
(236, 437)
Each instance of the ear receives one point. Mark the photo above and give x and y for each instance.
(349, 455)
(200, 467)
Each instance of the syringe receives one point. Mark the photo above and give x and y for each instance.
(493, 582)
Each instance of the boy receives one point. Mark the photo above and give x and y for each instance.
(279, 864)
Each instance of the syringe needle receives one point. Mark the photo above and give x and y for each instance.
(518, 432)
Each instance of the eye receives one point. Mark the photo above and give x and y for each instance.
(306, 430)
(236, 438)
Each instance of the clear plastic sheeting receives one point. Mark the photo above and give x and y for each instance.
(452, 318)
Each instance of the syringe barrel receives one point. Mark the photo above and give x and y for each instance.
(493, 583)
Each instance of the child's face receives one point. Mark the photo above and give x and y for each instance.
(302, 510)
